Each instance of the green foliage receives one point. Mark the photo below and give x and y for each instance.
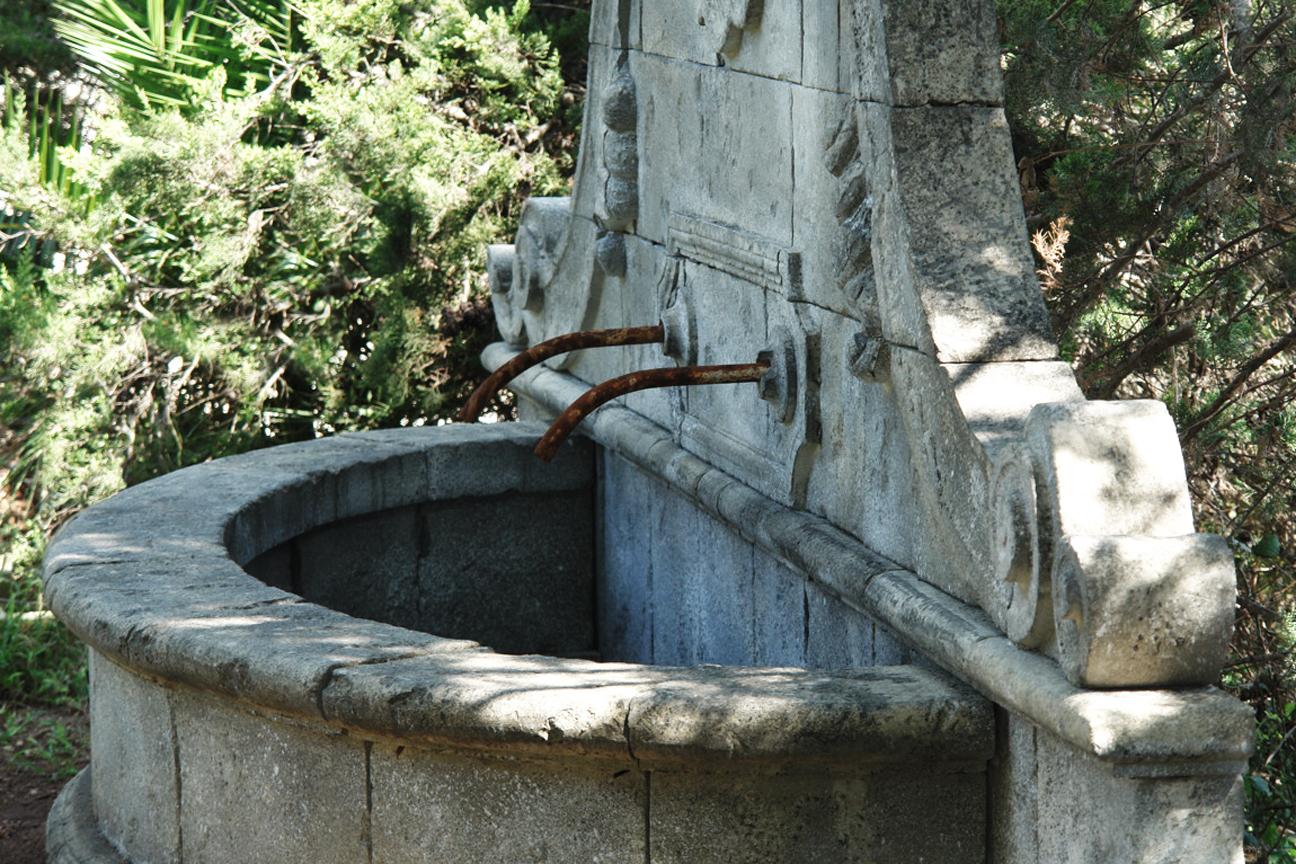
(1155, 146)
(267, 224)
(29, 48)
(162, 53)
(42, 741)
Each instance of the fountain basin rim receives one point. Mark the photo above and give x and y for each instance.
(153, 580)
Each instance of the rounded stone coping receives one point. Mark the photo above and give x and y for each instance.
(152, 578)
(1140, 732)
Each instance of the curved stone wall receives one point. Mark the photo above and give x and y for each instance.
(232, 720)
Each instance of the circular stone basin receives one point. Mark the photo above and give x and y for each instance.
(289, 663)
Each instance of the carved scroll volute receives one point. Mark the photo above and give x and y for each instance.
(1095, 549)
(519, 297)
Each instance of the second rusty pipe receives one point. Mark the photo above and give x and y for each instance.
(537, 354)
(647, 379)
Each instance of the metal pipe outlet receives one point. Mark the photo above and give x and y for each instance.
(537, 354)
(646, 379)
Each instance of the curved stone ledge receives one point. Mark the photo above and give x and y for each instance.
(153, 579)
(1152, 732)
(71, 834)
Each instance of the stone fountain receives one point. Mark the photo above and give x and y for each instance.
(908, 597)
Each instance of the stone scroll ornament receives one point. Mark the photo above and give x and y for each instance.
(549, 280)
(860, 220)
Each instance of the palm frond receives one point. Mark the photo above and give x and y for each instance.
(158, 53)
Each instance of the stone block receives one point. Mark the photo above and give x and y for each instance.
(366, 566)
(890, 650)
(837, 637)
(779, 601)
(479, 700)
(625, 573)
(889, 816)
(1088, 814)
(258, 788)
(697, 134)
(785, 717)
(965, 236)
(833, 205)
(828, 45)
(941, 52)
(861, 479)
(133, 764)
(615, 24)
(432, 807)
(226, 633)
(515, 572)
(702, 600)
(1013, 791)
(1144, 611)
(72, 833)
(761, 38)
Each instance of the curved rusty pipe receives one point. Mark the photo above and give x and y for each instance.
(537, 354)
(647, 379)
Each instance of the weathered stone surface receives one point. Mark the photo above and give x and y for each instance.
(72, 833)
(1110, 468)
(818, 817)
(624, 565)
(864, 460)
(746, 35)
(963, 232)
(836, 636)
(1142, 820)
(210, 625)
(258, 788)
(1134, 611)
(133, 762)
(434, 807)
(701, 612)
(778, 597)
(366, 566)
(1014, 792)
(877, 715)
(514, 573)
(937, 52)
(684, 113)
(483, 700)
(615, 24)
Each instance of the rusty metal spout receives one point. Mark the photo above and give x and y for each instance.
(647, 379)
(537, 354)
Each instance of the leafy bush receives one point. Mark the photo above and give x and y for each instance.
(257, 235)
(1157, 148)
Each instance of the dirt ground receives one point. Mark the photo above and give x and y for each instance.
(24, 800)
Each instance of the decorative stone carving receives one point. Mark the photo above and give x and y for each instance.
(677, 316)
(830, 186)
(1138, 611)
(733, 19)
(739, 253)
(853, 208)
(620, 152)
